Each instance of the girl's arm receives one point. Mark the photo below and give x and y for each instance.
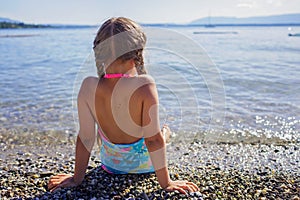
(84, 143)
(86, 135)
(155, 142)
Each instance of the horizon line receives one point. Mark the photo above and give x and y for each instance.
(190, 23)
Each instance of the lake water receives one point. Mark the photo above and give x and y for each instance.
(226, 84)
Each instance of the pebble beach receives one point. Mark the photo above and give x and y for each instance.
(222, 171)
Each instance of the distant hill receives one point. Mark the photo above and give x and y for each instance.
(6, 23)
(2, 19)
(285, 19)
(273, 19)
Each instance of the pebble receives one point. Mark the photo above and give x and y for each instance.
(46, 174)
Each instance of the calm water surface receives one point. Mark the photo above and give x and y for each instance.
(258, 86)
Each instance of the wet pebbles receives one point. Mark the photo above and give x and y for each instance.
(221, 171)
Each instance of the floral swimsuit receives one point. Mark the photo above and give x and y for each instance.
(131, 158)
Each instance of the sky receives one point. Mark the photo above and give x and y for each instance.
(93, 12)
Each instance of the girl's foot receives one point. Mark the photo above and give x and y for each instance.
(167, 133)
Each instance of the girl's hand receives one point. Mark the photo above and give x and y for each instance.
(61, 181)
(182, 186)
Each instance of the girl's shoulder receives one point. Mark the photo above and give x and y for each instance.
(90, 80)
(89, 84)
(145, 79)
(146, 85)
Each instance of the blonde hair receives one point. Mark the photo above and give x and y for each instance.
(128, 43)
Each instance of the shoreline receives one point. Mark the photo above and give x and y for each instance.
(220, 170)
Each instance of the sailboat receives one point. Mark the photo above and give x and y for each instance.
(292, 34)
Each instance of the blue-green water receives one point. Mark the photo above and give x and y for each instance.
(258, 84)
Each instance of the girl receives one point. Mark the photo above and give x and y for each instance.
(123, 102)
